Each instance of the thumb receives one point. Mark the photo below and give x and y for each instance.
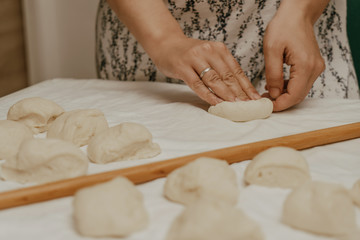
(274, 71)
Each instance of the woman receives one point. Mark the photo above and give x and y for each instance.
(222, 48)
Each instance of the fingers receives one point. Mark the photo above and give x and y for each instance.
(274, 69)
(295, 91)
(212, 80)
(240, 77)
(305, 67)
(302, 76)
(226, 78)
(292, 42)
(195, 83)
(225, 81)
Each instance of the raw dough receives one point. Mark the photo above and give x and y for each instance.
(36, 113)
(278, 167)
(125, 141)
(213, 221)
(12, 134)
(355, 193)
(243, 110)
(319, 207)
(45, 160)
(78, 126)
(204, 178)
(111, 209)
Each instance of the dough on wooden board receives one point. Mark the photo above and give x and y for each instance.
(204, 178)
(45, 160)
(243, 110)
(321, 208)
(111, 209)
(126, 141)
(12, 134)
(278, 167)
(36, 113)
(78, 126)
(355, 192)
(208, 220)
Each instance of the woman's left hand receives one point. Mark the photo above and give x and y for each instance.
(290, 39)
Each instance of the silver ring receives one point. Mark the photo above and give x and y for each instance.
(205, 71)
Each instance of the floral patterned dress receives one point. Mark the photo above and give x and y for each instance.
(240, 24)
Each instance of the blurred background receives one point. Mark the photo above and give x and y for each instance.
(45, 39)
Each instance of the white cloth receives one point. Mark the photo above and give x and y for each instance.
(179, 122)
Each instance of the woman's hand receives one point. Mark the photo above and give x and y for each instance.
(186, 58)
(183, 58)
(290, 39)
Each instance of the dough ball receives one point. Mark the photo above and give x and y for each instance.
(125, 141)
(204, 178)
(78, 126)
(45, 160)
(111, 209)
(243, 111)
(36, 113)
(278, 167)
(322, 208)
(12, 134)
(213, 221)
(355, 193)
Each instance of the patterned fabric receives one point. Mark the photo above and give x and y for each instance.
(241, 25)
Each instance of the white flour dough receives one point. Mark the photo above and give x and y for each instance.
(36, 113)
(278, 167)
(125, 141)
(111, 209)
(213, 221)
(78, 126)
(204, 178)
(243, 110)
(45, 160)
(12, 134)
(355, 192)
(322, 208)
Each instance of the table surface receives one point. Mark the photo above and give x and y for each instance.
(180, 124)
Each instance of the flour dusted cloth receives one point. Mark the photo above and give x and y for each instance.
(181, 125)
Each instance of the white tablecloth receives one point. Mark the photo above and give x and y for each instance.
(179, 122)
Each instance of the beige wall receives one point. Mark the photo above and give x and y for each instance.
(12, 53)
(45, 39)
(60, 38)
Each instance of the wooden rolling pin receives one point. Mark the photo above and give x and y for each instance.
(148, 172)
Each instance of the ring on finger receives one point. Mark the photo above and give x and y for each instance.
(204, 72)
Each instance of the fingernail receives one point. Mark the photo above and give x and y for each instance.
(256, 96)
(218, 100)
(274, 92)
(242, 99)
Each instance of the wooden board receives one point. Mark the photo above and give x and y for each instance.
(151, 171)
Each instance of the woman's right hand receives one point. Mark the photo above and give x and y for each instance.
(186, 58)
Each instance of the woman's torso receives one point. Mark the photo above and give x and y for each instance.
(241, 26)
